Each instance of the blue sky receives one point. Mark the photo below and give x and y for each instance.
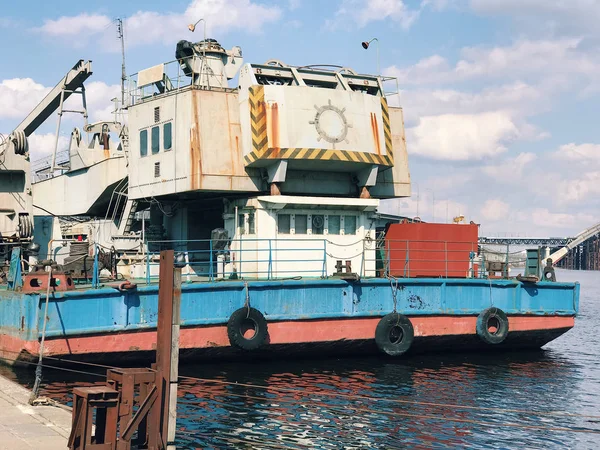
(500, 96)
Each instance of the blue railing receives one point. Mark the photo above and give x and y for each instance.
(256, 258)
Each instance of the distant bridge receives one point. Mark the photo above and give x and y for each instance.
(546, 242)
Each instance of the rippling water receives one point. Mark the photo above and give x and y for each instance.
(433, 401)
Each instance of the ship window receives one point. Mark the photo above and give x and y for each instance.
(251, 226)
(283, 223)
(300, 224)
(318, 224)
(143, 142)
(167, 138)
(349, 224)
(155, 140)
(333, 225)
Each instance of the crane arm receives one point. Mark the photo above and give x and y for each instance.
(581, 237)
(73, 80)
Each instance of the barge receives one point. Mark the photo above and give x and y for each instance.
(266, 180)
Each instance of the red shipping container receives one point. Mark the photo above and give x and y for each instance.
(430, 249)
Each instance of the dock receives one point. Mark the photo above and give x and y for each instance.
(30, 427)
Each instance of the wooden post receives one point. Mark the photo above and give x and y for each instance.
(167, 349)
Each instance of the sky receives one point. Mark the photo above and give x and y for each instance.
(500, 97)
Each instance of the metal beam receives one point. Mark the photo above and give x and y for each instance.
(73, 80)
(550, 242)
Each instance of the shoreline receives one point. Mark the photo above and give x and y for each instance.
(23, 426)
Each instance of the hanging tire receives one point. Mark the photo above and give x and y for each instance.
(492, 326)
(394, 334)
(240, 326)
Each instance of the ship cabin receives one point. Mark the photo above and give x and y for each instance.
(255, 170)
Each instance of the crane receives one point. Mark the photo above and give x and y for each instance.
(581, 237)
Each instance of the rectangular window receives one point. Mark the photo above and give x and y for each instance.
(300, 224)
(167, 136)
(241, 224)
(155, 140)
(144, 143)
(333, 225)
(251, 224)
(349, 224)
(283, 223)
(318, 224)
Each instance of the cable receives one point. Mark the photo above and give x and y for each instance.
(51, 367)
(410, 402)
(433, 417)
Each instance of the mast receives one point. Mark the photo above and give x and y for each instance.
(121, 36)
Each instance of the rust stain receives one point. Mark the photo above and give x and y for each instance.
(273, 128)
(22, 323)
(133, 348)
(195, 150)
(106, 153)
(375, 129)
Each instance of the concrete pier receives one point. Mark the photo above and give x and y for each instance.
(30, 427)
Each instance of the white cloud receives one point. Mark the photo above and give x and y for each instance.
(41, 145)
(510, 169)
(542, 217)
(150, 27)
(18, 96)
(83, 24)
(294, 4)
(584, 153)
(495, 210)
(554, 16)
(562, 56)
(517, 98)
(363, 12)
(99, 95)
(578, 189)
(462, 136)
(426, 206)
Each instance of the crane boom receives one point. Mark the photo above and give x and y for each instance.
(581, 237)
(73, 80)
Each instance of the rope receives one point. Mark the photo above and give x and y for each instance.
(35, 392)
(247, 304)
(394, 286)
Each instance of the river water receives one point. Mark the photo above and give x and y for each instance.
(510, 400)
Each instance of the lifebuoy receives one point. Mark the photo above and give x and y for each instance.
(247, 329)
(492, 326)
(394, 334)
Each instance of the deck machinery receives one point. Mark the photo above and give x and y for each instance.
(296, 151)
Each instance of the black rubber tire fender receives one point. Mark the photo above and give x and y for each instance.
(492, 326)
(394, 334)
(247, 317)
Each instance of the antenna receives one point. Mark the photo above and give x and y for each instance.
(121, 36)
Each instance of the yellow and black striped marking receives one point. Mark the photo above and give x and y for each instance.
(258, 116)
(320, 154)
(260, 151)
(387, 130)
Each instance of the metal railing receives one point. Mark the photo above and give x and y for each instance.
(277, 259)
(244, 258)
(174, 79)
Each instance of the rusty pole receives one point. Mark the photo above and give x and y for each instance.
(167, 349)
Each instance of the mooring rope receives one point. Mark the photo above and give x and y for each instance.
(35, 392)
